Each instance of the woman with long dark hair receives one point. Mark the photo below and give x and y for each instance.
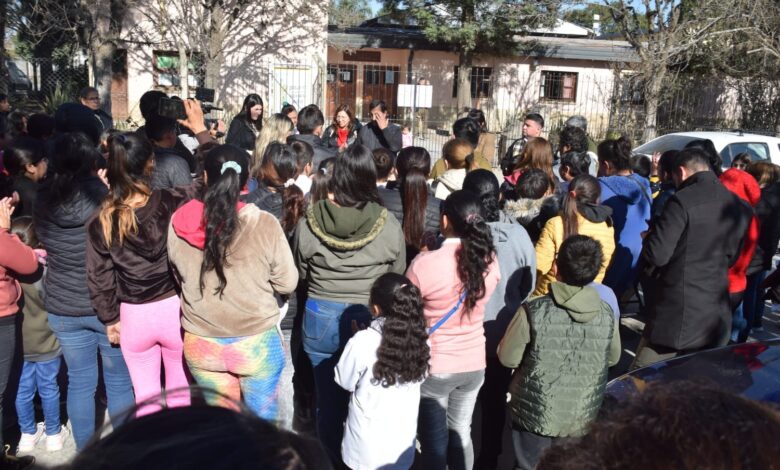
(232, 260)
(581, 214)
(247, 124)
(25, 160)
(344, 243)
(128, 274)
(456, 282)
(276, 190)
(412, 201)
(517, 265)
(630, 198)
(343, 132)
(385, 363)
(68, 199)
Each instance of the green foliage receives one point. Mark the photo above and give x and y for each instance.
(346, 13)
(474, 26)
(55, 99)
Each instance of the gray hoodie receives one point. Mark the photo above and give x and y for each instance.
(517, 264)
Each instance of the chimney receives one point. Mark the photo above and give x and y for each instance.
(597, 24)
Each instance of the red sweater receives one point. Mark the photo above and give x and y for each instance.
(746, 187)
(15, 257)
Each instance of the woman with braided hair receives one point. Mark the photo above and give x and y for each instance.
(456, 282)
(385, 363)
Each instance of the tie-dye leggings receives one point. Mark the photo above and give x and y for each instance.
(247, 367)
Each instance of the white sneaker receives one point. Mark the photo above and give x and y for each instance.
(54, 443)
(28, 441)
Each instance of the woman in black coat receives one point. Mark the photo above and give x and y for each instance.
(247, 124)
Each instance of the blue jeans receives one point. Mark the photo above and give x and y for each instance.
(444, 426)
(327, 326)
(40, 376)
(82, 339)
(752, 306)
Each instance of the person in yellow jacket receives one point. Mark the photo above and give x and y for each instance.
(581, 214)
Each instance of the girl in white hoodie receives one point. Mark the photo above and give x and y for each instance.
(385, 363)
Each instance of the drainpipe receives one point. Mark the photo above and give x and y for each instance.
(410, 77)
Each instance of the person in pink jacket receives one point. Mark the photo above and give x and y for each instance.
(456, 282)
(15, 258)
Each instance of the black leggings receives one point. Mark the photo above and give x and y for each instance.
(7, 350)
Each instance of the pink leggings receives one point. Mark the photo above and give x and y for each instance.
(148, 333)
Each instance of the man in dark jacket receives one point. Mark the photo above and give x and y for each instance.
(90, 97)
(310, 122)
(170, 169)
(380, 132)
(687, 254)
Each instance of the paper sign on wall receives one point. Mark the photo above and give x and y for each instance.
(406, 95)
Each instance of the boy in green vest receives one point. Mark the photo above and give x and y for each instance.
(561, 345)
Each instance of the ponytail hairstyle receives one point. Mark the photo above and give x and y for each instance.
(129, 157)
(279, 170)
(476, 252)
(583, 189)
(459, 154)
(403, 353)
(413, 165)
(484, 184)
(320, 181)
(220, 216)
(23, 151)
(617, 152)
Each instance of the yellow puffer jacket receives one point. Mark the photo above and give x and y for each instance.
(550, 242)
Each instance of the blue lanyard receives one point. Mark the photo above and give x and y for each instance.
(446, 317)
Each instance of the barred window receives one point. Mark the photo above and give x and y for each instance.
(481, 83)
(166, 70)
(559, 86)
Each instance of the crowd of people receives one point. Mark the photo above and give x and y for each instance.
(418, 292)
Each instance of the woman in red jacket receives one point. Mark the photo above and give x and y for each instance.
(15, 258)
(745, 186)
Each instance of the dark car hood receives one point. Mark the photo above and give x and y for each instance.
(749, 369)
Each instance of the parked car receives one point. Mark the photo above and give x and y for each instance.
(728, 144)
(748, 369)
(20, 83)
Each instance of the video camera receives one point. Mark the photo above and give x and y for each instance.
(174, 107)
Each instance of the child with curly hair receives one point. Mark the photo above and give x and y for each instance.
(385, 363)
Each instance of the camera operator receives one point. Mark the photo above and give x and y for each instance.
(194, 123)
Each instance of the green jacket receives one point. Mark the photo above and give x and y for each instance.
(38, 340)
(562, 345)
(340, 251)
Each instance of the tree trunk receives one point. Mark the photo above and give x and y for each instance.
(652, 90)
(102, 60)
(464, 81)
(3, 69)
(214, 56)
(184, 71)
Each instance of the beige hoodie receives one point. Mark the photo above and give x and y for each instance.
(260, 264)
